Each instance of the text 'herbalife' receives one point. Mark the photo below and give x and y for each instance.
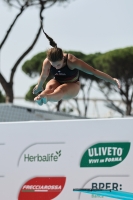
(53, 157)
(105, 154)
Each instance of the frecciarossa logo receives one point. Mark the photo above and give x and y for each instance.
(41, 188)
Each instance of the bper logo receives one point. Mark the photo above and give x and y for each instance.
(105, 154)
(101, 186)
(106, 186)
(41, 188)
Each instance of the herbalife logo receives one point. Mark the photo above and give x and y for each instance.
(105, 154)
(53, 157)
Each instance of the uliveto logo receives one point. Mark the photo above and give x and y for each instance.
(41, 188)
(53, 157)
(105, 154)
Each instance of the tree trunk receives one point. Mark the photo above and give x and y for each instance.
(8, 88)
(9, 93)
(128, 108)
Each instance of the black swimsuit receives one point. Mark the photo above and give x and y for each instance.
(64, 74)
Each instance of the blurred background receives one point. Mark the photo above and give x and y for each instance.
(98, 32)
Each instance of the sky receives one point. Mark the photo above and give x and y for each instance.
(88, 26)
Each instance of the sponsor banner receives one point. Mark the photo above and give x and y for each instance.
(103, 183)
(46, 160)
(42, 188)
(108, 193)
(43, 153)
(105, 154)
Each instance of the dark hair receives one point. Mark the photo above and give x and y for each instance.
(54, 54)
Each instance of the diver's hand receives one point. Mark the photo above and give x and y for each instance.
(117, 83)
(37, 89)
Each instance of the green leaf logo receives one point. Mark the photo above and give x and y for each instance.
(58, 153)
(105, 154)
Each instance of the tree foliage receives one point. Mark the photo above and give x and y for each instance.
(119, 64)
(33, 66)
(2, 98)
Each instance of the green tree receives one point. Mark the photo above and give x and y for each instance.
(22, 5)
(2, 98)
(119, 64)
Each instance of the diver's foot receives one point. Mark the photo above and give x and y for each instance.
(44, 99)
(41, 101)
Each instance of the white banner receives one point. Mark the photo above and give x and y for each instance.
(48, 160)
